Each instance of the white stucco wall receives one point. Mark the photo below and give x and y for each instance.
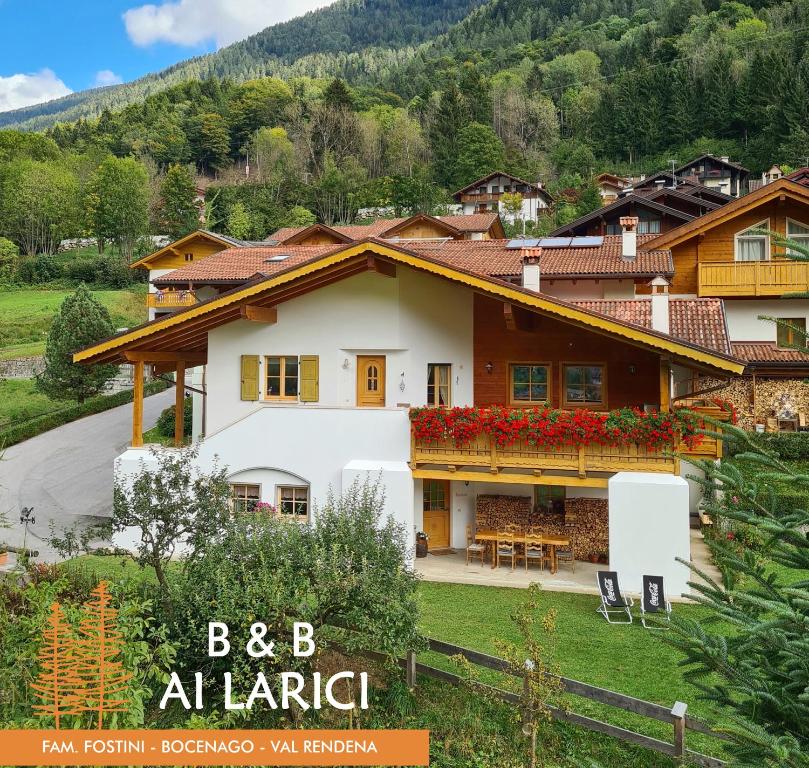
(743, 322)
(413, 320)
(649, 528)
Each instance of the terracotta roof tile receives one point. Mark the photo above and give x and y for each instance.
(473, 222)
(696, 321)
(767, 352)
(238, 265)
(492, 257)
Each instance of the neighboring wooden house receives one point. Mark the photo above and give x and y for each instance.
(486, 194)
(718, 173)
(610, 186)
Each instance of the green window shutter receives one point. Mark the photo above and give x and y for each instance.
(249, 377)
(310, 378)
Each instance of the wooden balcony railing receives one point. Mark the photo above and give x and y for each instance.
(522, 455)
(753, 278)
(171, 299)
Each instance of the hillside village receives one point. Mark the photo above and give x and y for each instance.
(520, 296)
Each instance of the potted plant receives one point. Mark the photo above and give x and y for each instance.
(603, 558)
(421, 544)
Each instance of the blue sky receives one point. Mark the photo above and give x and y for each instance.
(49, 48)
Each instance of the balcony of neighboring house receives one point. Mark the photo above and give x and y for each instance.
(554, 447)
(170, 300)
(771, 277)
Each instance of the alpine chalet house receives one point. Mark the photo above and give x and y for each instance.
(727, 254)
(659, 202)
(327, 362)
(486, 194)
(718, 173)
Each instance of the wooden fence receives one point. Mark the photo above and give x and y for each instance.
(676, 716)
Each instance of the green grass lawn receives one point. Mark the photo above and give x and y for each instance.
(26, 316)
(628, 659)
(20, 401)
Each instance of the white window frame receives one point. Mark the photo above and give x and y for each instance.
(763, 224)
(803, 238)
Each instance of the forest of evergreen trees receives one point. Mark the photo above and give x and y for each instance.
(557, 91)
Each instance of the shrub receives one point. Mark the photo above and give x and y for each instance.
(788, 446)
(38, 269)
(165, 422)
(9, 257)
(108, 271)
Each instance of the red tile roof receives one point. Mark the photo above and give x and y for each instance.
(238, 265)
(486, 257)
(492, 257)
(767, 352)
(696, 321)
(473, 222)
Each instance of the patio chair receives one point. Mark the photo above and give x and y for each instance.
(535, 551)
(473, 548)
(653, 601)
(613, 603)
(506, 548)
(567, 552)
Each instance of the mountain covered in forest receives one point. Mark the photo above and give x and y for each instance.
(335, 39)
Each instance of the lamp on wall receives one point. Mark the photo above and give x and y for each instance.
(489, 367)
(346, 364)
(402, 383)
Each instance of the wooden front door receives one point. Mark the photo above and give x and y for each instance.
(371, 381)
(436, 513)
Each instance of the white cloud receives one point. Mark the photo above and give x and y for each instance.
(107, 77)
(191, 22)
(23, 90)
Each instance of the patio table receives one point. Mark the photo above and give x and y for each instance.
(488, 536)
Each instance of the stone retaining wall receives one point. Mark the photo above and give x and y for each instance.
(30, 367)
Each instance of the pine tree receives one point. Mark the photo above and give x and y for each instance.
(178, 208)
(58, 685)
(80, 322)
(104, 679)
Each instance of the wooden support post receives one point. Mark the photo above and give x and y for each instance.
(678, 713)
(582, 466)
(137, 406)
(179, 405)
(493, 466)
(665, 386)
(411, 670)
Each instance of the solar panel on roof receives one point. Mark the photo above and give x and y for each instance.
(587, 242)
(555, 242)
(521, 243)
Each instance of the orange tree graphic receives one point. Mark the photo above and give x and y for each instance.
(103, 676)
(58, 682)
(82, 674)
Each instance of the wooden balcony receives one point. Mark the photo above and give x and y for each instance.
(523, 462)
(753, 278)
(170, 299)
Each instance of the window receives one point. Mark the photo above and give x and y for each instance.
(584, 385)
(612, 229)
(438, 384)
(528, 383)
(648, 225)
(751, 245)
(799, 233)
(282, 378)
(293, 503)
(550, 499)
(245, 497)
(189, 256)
(793, 334)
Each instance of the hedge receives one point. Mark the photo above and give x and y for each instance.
(33, 427)
(789, 446)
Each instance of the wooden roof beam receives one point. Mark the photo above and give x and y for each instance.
(256, 314)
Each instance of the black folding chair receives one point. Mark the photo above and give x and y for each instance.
(613, 603)
(653, 600)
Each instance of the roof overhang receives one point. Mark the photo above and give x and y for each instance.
(172, 247)
(762, 196)
(315, 229)
(422, 218)
(187, 330)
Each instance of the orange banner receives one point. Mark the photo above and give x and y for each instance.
(181, 748)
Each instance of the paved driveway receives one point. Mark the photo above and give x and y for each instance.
(66, 474)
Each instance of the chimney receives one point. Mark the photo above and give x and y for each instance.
(725, 158)
(660, 305)
(530, 268)
(629, 242)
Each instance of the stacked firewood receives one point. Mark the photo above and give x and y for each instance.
(496, 512)
(587, 525)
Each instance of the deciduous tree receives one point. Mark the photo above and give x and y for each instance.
(178, 208)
